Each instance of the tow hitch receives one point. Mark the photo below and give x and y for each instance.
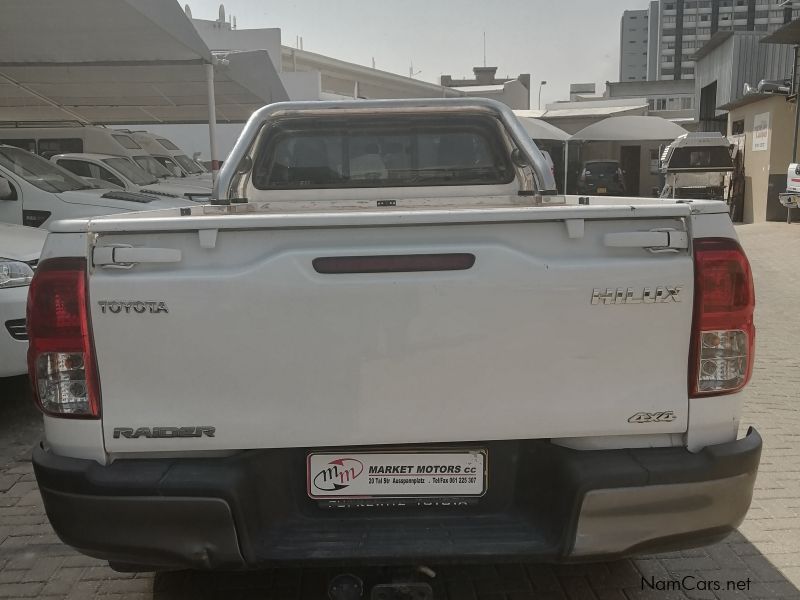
(402, 585)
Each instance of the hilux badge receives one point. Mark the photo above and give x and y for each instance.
(649, 295)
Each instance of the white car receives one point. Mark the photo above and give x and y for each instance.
(124, 173)
(427, 355)
(36, 192)
(19, 252)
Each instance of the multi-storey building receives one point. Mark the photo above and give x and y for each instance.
(633, 36)
(684, 26)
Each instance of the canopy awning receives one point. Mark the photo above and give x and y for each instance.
(121, 61)
(137, 93)
(629, 128)
(542, 130)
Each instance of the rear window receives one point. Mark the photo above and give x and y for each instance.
(602, 168)
(126, 141)
(708, 158)
(400, 152)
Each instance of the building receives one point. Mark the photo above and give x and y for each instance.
(672, 99)
(684, 26)
(652, 40)
(726, 63)
(762, 125)
(515, 92)
(633, 41)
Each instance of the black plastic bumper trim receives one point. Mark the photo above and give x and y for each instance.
(251, 509)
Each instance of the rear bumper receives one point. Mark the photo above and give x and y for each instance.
(543, 502)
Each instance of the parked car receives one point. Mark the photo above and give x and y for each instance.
(19, 252)
(124, 173)
(695, 165)
(361, 362)
(36, 192)
(171, 157)
(601, 178)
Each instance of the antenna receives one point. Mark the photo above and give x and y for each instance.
(301, 42)
(484, 48)
(373, 62)
(411, 72)
(221, 13)
(234, 22)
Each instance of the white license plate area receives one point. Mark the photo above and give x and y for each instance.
(396, 474)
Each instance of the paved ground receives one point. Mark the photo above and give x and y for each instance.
(766, 550)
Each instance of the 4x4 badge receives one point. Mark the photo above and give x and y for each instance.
(655, 417)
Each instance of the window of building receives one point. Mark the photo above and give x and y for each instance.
(690, 4)
(690, 18)
(667, 32)
(761, 28)
(725, 3)
(667, 71)
(687, 71)
(686, 103)
(762, 14)
(651, 104)
(669, 6)
(668, 20)
(705, 17)
(703, 31)
(704, 4)
(737, 127)
(740, 27)
(661, 103)
(668, 59)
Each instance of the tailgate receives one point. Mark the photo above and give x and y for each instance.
(552, 331)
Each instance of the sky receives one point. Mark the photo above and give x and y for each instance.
(554, 40)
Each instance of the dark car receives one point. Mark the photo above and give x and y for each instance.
(601, 178)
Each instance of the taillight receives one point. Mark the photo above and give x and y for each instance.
(723, 334)
(61, 361)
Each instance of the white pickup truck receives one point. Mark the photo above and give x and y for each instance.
(389, 341)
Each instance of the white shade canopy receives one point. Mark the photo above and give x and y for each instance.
(542, 130)
(629, 128)
(121, 61)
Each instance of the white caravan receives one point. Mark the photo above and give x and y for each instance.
(64, 137)
(695, 165)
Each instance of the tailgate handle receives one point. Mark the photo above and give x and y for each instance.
(127, 256)
(656, 240)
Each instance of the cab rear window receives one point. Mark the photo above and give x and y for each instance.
(396, 152)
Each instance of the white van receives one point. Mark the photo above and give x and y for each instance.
(170, 156)
(122, 172)
(35, 192)
(68, 136)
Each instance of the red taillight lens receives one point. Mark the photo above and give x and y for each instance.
(723, 334)
(61, 362)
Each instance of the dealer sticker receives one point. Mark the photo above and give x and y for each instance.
(396, 474)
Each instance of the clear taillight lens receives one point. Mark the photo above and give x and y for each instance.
(61, 362)
(723, 334)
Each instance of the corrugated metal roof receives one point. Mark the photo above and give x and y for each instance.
(788, 34)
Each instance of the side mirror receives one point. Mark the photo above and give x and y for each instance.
(7, 191)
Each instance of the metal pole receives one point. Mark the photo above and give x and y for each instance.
(566, 164)
(539, 102)
(212, 122)
(796, 119)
